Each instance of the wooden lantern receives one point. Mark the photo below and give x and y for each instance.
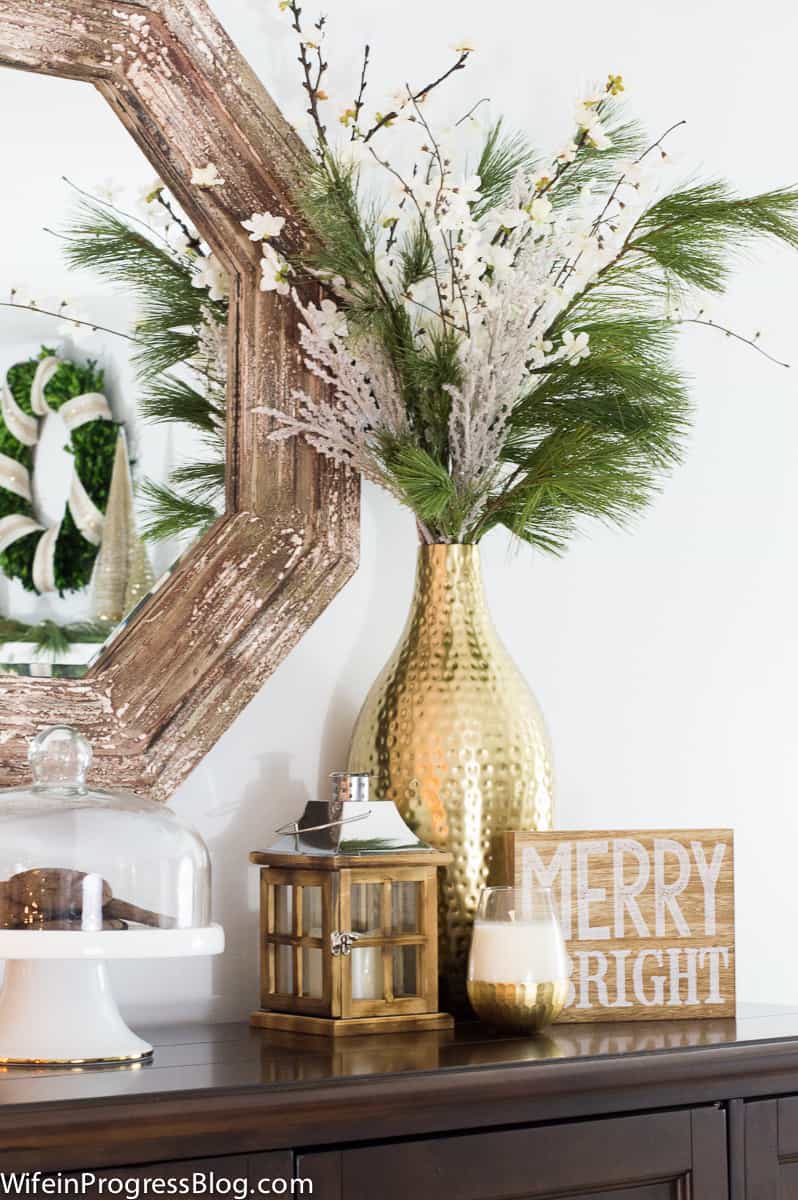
(349, 929)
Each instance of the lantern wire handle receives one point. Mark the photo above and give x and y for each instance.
(293, 827)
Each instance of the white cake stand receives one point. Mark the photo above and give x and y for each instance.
(56, 1004)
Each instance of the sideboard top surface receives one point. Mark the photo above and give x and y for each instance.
(227, 1088)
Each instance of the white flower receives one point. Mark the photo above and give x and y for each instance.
(426, 194)
(151, 192)
(539, 353)
(274, 272)
(586, 116)
(390, 215)
(568, 154)
(499, 258)
(206, 177)
(178, 239)
(263, 226)
(540, 210)
(599, 138)
(472, 252)
(575, 346)
(464, 46)
(453, 213)
(399, 98)
(508, 218)
(589, 121)
(330, 322)
(469, 190)
(212, 275)
(108, 191)
(632, 172)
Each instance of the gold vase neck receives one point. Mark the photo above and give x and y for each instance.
(449, 583)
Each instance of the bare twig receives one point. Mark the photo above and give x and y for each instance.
(455, 278)
(409, 192)
(471, 111)
(120, 212)
(193, 241)
(46, 312)
(732, 334)
(613, 194)
(309, 85)
(361, 95)
(419, 96)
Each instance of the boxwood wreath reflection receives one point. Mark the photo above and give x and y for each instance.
(59, 558)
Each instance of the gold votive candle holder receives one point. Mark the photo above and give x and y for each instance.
(518, 965)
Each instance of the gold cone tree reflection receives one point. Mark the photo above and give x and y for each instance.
(452, 734)
(123, 574)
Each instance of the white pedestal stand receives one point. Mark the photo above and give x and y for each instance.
(56, 1004)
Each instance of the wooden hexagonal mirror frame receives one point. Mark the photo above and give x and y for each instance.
(186, 663)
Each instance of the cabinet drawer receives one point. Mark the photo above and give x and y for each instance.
(661, 1156)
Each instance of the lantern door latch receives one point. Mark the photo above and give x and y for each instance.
(342, 943)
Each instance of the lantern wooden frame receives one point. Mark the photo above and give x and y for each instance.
(182, 667)
(337, 1011)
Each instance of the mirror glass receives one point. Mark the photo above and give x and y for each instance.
(113, 333)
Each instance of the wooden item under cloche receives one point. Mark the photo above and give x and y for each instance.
(52, 898)
(349, 921)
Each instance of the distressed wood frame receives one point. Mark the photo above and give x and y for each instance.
(187, 662)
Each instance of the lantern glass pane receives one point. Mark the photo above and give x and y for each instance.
(405, 906)
(367, 975)
(405, 971)
(283, 909)
(312, 972)
(311, 912)
(366, 902)
(285, 971)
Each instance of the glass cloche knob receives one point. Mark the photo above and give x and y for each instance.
(59, 757)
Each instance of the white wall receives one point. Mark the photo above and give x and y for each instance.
(665, 659)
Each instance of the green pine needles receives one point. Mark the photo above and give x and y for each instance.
(180, 345)
(500, 345)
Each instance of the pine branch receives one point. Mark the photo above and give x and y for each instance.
(161, 281)
(503, 158)
(172, 515)
(204, 482)
(570, 475)
(169, 399)
(695, 233)
(426, 486)
(49, 637)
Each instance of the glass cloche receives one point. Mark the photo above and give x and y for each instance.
(73, 858)
(85, 876)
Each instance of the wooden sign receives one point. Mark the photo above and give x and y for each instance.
(648, 918)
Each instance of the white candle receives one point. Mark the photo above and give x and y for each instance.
(367, 981)
(92, 903)
(517, 952)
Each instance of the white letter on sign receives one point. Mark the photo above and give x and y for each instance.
(585, 895)
(716, 955)
(657, 980)
(665, 893)
(586, 977)
(625, 892)
(691, 975)
(709, 877)
(560, 865)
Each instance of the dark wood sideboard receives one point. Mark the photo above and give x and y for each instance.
(693, 1110)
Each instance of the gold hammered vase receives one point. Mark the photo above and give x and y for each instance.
(452, 734)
